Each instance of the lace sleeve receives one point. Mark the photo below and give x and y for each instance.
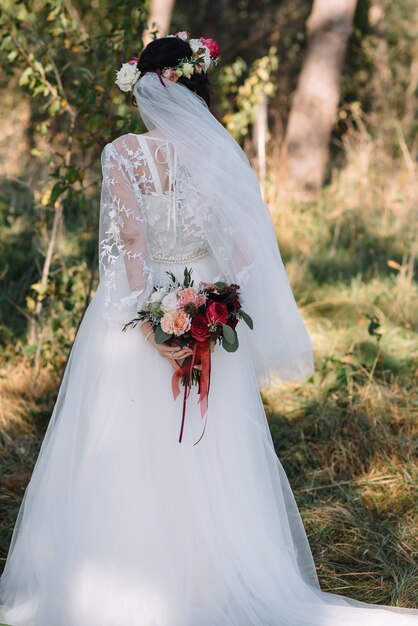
(123, 251)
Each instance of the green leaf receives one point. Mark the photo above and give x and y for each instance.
(171, 276)
(72, 175)
(24, 78)
(220, 285)
(230, 347)
(30, 304)
(228, 333)
(41, 289)
(29, 350)
(160, 335)
(55, 107)
(247, 319)
(57, 190)
(230, 338)
(55, 325)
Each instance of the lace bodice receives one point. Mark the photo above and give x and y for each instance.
(173, 235)
(172, 232)
(147, 217)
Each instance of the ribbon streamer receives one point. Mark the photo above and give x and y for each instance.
(202, 353)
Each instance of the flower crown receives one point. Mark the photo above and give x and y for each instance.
(205, 53)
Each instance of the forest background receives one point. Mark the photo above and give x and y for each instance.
(322, 96)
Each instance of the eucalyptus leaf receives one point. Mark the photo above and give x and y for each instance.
(160, 335)
(230, 347)
(247, 319)
(228, 333)
(230, 338)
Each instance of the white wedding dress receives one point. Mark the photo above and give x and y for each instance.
(123, 526)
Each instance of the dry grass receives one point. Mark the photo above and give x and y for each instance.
(348, 438)
(25, 403)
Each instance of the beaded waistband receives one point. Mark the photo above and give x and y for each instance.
(186, 258)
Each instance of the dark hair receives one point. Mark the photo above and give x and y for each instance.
(168, 52)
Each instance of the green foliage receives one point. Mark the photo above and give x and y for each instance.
(229, 338)
(160, 336)
(248, 95)
(247, 319)
(64, 62)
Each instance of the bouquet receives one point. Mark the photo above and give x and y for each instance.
(199, 318)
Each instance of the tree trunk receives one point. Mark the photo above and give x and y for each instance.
(305, 149)
(159, 18)
(260, 137)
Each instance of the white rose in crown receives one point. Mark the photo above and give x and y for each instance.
(200, 50)
(127, 76)
(195, 44)
(206, 58)
(186, 69)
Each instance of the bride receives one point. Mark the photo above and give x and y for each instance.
(122, 525)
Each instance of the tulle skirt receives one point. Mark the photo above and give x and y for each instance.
(121, 525)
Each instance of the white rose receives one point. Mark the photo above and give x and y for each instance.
(195, 44)
(157, 295)
(169, 302)
(206, 58)
(127, 76)
(188, 69)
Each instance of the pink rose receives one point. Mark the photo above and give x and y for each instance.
(201, 300)
(181, 323)
(187, 296)
(217, 313)
(209, 287)
(170, 74)
(183, 34)
(133, 61)
(213, 47)
(167, 323)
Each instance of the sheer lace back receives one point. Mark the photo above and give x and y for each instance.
(147, 217)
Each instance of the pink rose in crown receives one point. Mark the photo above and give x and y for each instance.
(133, 61)
(217, 313)
(170, 74)
(213, 47)
(183, 34)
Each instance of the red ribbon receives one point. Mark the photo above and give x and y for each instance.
(201, 352)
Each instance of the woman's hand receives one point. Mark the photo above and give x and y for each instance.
(170, 351)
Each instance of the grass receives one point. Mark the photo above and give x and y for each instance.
(348, 436)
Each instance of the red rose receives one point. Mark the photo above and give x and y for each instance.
(217, 313)
(213, 47)
(199, 329)
(233, 322)
(236, 303)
